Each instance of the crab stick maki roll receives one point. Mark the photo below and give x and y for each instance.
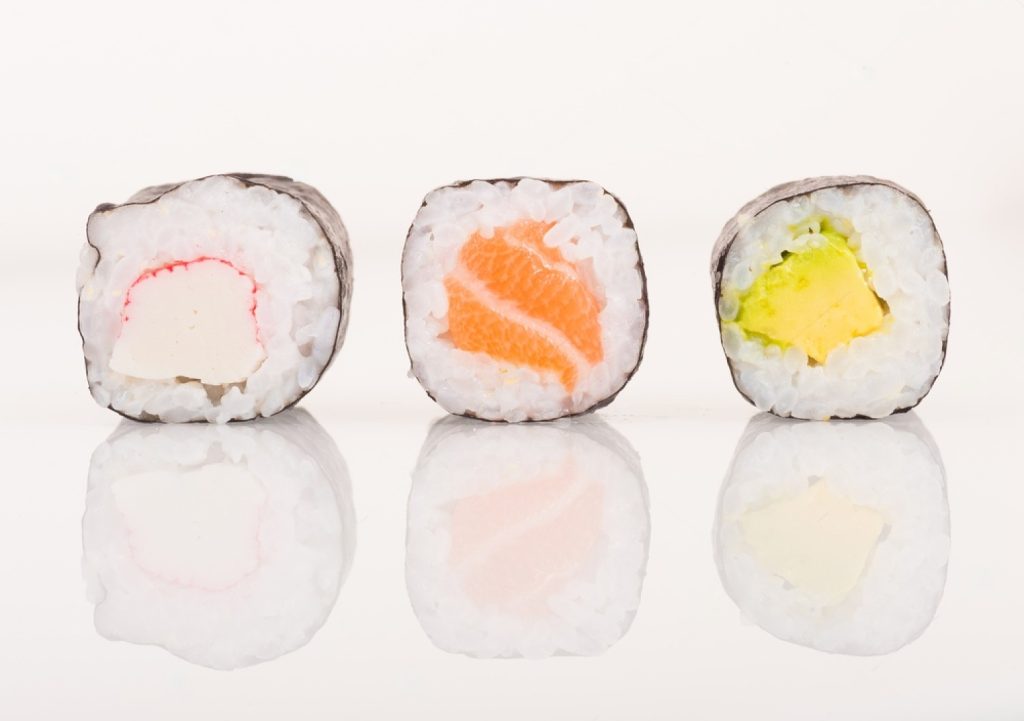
(525, 299)
(832, 299)
(526, 541)
(835, 536)
(218, 299)
(225, 545)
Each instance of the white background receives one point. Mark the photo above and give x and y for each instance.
(683, 112)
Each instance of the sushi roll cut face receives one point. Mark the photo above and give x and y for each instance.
(218, 299)
(832, 299)
(525, 299)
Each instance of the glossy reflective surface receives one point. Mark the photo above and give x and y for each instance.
(613, 552)
(225, 545)
(835, 536)
(526, 541)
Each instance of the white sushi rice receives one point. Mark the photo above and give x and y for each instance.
(532, 479)
(225, 545)
(886, 467)
(590, 231)
(873, 375)
(267, 235)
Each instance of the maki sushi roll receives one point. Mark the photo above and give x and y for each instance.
(218, 299)
(225, 545)
(525, 299)
(835, 536)
(526, 541)
(832, 299)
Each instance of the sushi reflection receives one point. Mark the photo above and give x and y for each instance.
(224, 544)
(835, 536)
(528, 540)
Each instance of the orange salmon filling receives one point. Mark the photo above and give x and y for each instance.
(520, 301)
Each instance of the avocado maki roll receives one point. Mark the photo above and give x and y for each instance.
(832, 299)
(525, 299)
(218, 299)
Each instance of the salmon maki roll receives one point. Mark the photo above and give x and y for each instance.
(218, 299)
(525, 299)
(528, 540)
(832, 299)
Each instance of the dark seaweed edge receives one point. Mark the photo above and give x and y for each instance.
(557, 184)
(795, 189)
(342, 254)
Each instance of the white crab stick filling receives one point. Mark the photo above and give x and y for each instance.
(192, 319)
